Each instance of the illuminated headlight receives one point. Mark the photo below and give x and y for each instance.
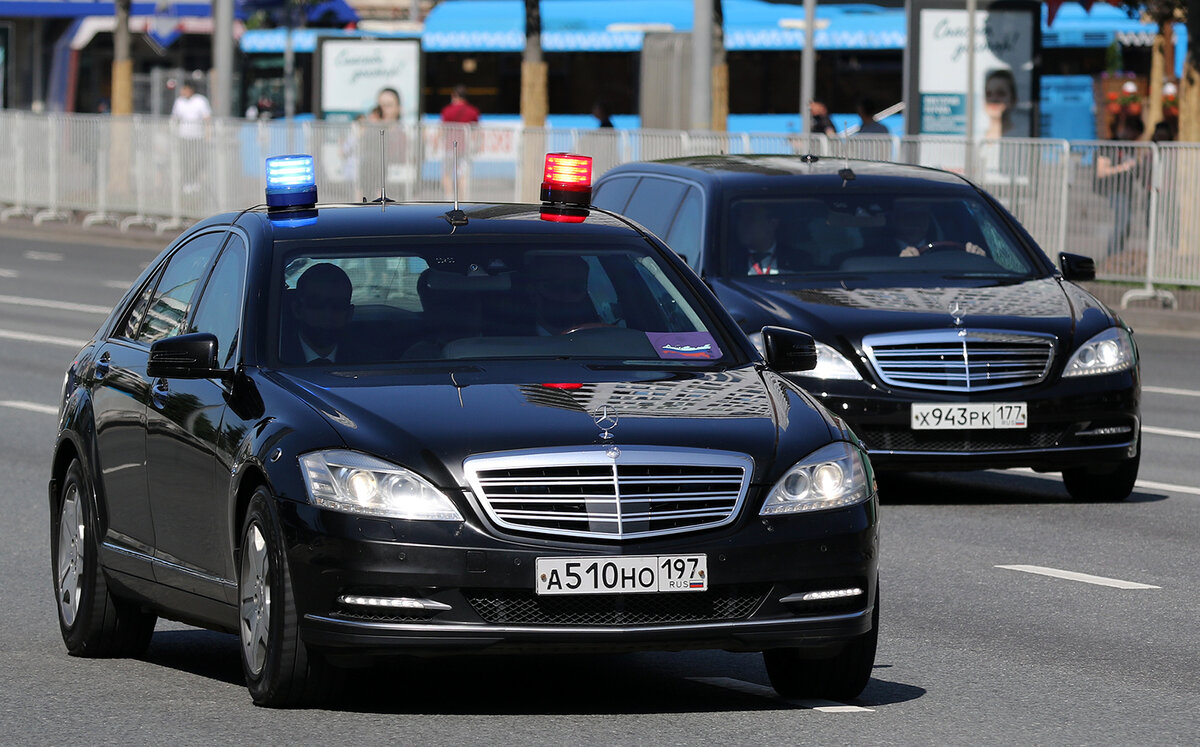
(360, 484)
(834, 475)
(830, 363)
(1108, 352)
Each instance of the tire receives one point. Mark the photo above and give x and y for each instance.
(843, 676)
(280, 670)
(94, 623)
(1102, 483)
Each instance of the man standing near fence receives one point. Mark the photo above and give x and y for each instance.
(458, 120)
(190, 115)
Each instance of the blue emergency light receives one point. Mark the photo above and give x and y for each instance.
(291, 182)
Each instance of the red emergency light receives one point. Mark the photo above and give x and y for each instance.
(567, 179)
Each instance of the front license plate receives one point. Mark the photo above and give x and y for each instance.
(622, 575)
(973, 416)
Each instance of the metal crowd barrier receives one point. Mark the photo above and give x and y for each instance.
(1127, 205)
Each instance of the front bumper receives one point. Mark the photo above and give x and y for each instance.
(478, 587)
(1069, 423)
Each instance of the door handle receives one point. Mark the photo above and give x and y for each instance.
(100, 370)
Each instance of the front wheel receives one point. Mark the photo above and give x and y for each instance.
(843, 676)
(280, 670)
(1102, 483)
(93, 622)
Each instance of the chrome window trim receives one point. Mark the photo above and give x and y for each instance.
(601, 456)
(960, 338)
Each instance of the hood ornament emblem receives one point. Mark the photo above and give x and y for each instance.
(956, 313)
(606, 420)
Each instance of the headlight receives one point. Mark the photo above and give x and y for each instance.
(360, 484)
(832, 476)
(1108, 352)
(830, 363)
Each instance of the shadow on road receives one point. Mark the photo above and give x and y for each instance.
(984, 488)
(591, 684)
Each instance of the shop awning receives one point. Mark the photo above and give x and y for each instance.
(304, 41)
(619, 25)
(83, 8)
(1101, 26)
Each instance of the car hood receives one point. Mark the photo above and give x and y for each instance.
(431, 422)
(846, 313)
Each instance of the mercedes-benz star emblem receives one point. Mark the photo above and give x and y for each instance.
(605, 420)
(956, 313)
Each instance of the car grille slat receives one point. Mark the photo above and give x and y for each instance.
(646, 491)
(527, 608)
(960, 360)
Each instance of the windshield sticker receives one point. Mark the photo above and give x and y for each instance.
(684, 345)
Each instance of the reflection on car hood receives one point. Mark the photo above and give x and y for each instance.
(1040, 305)
(411, 422)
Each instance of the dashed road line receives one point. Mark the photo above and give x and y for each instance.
(67, 342)
(43, 303)
(117, 284)
(1086, 578)
(1171, 390)
(30, 406)
(1170, 432)
(1150, 484)
(44, 256)
(762, 691)
(8, 273)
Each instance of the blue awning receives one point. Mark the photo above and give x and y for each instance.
(304, 41)
(619, 25)
(1100, 27)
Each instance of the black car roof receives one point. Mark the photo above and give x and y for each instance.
(735, 171)
(426, 219)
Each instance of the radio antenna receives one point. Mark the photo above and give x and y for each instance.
(383, 200)
(454, 176)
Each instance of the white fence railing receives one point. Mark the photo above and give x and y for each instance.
(1127, 205)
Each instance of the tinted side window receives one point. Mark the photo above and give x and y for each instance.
(614, 194)
(132, 322)
(219, 309)
(173, 296)
(654, 204)
(684, 236)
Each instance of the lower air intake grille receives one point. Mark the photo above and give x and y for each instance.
(527, 608)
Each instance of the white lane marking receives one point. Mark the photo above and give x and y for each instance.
(1170, 488)
(1170, 432)
(44, 303)
(118, 284)
(44, 256)
(30, 406)
(8, 273)
(1170, 390)
(762, 691)
(66, 342)
(1073, 576)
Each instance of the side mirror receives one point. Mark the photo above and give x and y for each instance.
(191, 356)
(789, 350)
(1077, 266)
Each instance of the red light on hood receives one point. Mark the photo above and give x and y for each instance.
(563, 386)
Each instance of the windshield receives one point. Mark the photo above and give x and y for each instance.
(366, 304)
(871, 234)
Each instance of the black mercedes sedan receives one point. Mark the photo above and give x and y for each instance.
(342, 432)
(945, 336)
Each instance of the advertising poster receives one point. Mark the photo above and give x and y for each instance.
(1006, 37)
(356, 75)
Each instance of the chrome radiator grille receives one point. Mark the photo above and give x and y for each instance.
(960, 360)
(610, 492)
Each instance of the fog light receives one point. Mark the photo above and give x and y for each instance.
(404, 603)
(1116, 430)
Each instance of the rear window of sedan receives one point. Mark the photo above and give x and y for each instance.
(377, 304)
(859, 233)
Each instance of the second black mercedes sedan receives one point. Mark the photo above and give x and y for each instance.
(345, 431)
(945, 336)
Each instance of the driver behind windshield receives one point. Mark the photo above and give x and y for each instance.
(913, 234)
(561, 303)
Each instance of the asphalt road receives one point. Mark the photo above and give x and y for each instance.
(971, 651)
